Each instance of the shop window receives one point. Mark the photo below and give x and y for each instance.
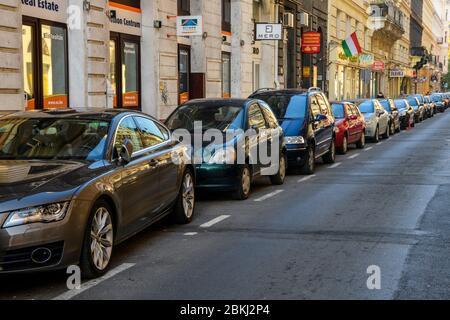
(226, 15)
(124, 53)
(45, 64)
(226, 75)
(184, 7)
(184, 61)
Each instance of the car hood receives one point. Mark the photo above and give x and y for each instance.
(28, 183)
(292, 127)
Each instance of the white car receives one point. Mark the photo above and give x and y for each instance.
(377, 119)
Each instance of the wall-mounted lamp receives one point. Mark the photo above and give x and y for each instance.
(87, 5)
(157, 24)
(205, 35)
(242, 43)
(112, 14)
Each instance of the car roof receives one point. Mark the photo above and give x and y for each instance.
(216, 101)
(94, 113)
(292, 91)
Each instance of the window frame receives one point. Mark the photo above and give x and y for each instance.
(38, 76)
(188, 49)
(181, 11)
(120, 39)
(226, 25)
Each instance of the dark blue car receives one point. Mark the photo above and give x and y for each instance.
(308, 123)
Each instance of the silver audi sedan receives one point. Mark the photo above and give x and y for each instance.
(75, 184)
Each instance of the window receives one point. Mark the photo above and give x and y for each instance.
(124, 77)
(184, 7)
(226, 75)
(184, 67)
(45, 64)
(255, 117)
(128, 130)
(322, 105)
(226, 15)
(315, 109)
(270, 117)
(152, 133)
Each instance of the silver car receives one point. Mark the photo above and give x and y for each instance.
(377, 119)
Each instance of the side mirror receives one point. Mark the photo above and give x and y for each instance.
(126, 151)
(320, 117)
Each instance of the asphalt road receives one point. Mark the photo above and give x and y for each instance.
(312, 238)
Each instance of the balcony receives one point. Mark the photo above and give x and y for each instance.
(387, 19)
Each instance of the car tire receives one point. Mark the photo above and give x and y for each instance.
(184, 208)
(279, 178)
(392, 129)
(330, 157)
(310, 165)
(361, 144)
(244, 184)
(91, 264)
(376, 137)
(344, 149)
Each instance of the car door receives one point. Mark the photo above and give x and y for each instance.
(139, 181)
(352, 120)
(327, 123)
(318, 126)
(257, 123)
(360, 123)
(383, 116)
(156, 139)
(275, 135)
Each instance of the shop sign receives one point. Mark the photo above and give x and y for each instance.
(366, 60)
(54, 10)
(311, 42)
(268, 31)
(397, 73)
(378, 66)
(189, 26)
(343, 57)
(126, 20)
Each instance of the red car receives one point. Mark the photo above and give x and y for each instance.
(350, 126)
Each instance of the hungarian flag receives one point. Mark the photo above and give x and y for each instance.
(351, 45)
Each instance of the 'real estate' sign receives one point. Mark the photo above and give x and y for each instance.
(268, 31)
(54, 10)
(189, 26)
(126, 19)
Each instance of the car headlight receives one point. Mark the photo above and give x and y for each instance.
(294, 140)
(44, 214)
(223, 156)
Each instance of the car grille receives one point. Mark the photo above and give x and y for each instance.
(21, 259)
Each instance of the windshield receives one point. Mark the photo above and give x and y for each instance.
(420, 98)
(366, 107)
(386, 105)
(413, 102)
(50, 138)
(286, 106)
(400, 104)
(221, 117)
(338, 110)
(437, 98)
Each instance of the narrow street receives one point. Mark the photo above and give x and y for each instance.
(312, 238)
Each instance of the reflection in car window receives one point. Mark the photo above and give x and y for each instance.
(338, 110)
(323, 105)
(286, 106)
(255, 117)
(212, 116)
(128, 130)
(270, 117)
(315, 109)
(53, 138)
(151, 133)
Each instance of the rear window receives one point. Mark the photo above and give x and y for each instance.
(400, 104)
(338, 110)
(286, 106)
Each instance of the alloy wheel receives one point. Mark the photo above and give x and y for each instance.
(102, 235)
(344, 145)
(282, 167)
(188, 194)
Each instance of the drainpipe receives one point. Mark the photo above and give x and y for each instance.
(277, 13)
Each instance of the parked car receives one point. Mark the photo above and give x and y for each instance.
(394, 122)
(419, 110)
(350, 126)
(431, 108)
(75, 184)
(232, 117)
(308, 123)
(406, 113)
(439, 102)
(377, 119)
(446, 97)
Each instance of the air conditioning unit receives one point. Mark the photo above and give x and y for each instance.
(288, 20)
(304, 19)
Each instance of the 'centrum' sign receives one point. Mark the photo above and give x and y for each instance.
(127, 20)
(54, 10)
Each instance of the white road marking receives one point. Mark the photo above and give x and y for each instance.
(306, 178)
(214, 221)
(354, 156)
(191, 234)
(337, 164)
(88, 285)
(268, 196)
(368, 149)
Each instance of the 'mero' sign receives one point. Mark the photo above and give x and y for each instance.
(268, 31)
